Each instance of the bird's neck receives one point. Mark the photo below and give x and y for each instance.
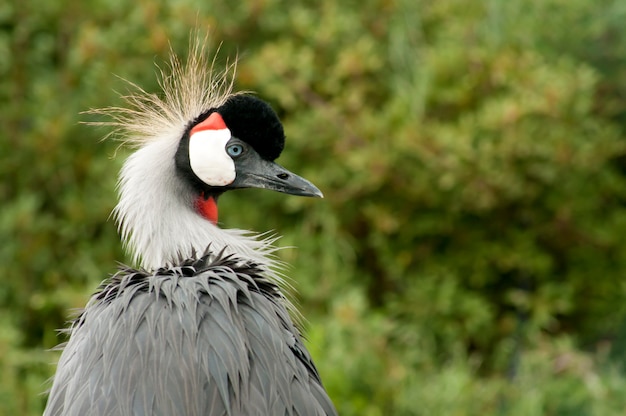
(161, 222)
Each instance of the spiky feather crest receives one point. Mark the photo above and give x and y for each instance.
(188, 90)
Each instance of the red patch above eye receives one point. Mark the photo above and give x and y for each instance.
(212, 122)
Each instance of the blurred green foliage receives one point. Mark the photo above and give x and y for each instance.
(469, 256)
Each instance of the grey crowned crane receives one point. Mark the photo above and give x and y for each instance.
(201, 327)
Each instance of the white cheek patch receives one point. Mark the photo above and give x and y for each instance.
(208, 157)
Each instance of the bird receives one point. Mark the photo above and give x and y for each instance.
(202, 323)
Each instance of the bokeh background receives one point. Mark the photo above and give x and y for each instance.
(470, 255)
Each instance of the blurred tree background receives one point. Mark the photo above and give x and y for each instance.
(469, 257)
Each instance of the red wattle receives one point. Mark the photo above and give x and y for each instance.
(207, 208)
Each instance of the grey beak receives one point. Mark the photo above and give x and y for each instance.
(256, 172)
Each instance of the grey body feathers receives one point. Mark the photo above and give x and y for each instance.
(210, 336)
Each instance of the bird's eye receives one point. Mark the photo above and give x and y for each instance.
(234, 150)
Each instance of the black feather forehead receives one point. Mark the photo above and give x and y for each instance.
(252, 120)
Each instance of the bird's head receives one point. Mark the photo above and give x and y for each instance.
(195, 141)
(234, 146)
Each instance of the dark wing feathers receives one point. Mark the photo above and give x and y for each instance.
(210, 336)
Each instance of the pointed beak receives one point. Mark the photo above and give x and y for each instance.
(255, 172)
